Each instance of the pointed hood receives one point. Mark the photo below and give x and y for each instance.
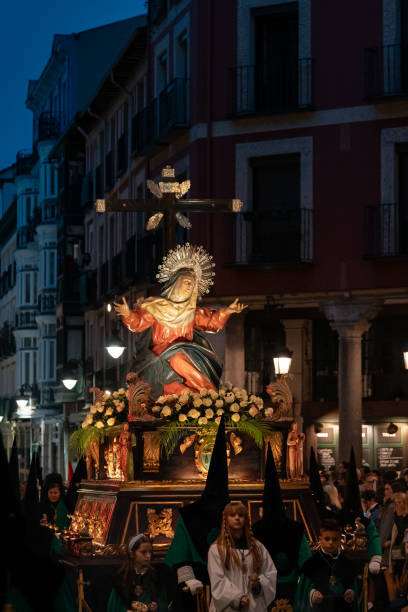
(5, 508)
(275, 530)
(216, 486)
(352, 500)
(203, 517)
(31, 504)
(38, 466)
(14, 479)
(72, 493)
(272, 499)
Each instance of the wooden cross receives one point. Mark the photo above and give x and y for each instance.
(168, 204)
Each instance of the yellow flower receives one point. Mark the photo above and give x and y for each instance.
(93, 409)
(193, 413)
(202, 421)
(243, 404)
(197, 402)
(259, 402)
(229, 397)
(161, 399)
(178, 406)
(121, 391)
(156, 408)
(203, 392)
(182, 417)
(219, 403)
(111, 421)
(115, 394)
(253, 411)
(222, 392)
(207, 401)
(209, 413)
(213, 394)
(253, 398)
(220, 411)
(99, 424)
(89, 418)
(120, 407)
(100, 407)
(84, 424)
(234, 407)
(108, 411)
(235, 417)
(218, 420)
(236, 390)
(268, 412)
(166, 411)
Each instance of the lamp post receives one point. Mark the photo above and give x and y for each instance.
(24, 399)
(282, 360)
(115, 346)
(405, 355)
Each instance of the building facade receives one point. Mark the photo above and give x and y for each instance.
(261, 100)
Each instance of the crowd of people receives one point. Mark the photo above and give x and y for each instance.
(218, 561)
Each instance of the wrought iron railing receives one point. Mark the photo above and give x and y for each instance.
(47, 303)
(26, 319)
(386, 230)
(386, 71)
(282, 85)
(169, 111)
(277, 236)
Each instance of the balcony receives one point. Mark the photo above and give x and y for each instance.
(49, 126)
(386, 231)
(386, 72)
(168, 113)
(273, 238)
(25, 161)
(282, 86)
(26, 319)
(49, 211)
(99, 190)
(25, 235)
(47, 303)
(122, 156)
(109, 171)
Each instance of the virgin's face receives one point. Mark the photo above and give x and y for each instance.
(184, 288)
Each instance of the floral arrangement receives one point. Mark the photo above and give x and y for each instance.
(204, 410)
(108, 411)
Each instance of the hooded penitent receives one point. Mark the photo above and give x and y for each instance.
(72, 493)
(200, 521)
(15, 504)
(352, 500)
(277, 533)
(316, 486)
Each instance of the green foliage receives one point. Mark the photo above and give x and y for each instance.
(81, 439)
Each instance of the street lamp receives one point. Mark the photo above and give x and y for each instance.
(23, 400)
(405, 353)
(23, 396)
(282, 360)
(115, 346)
(69, 378)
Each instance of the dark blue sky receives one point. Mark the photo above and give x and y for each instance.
(26, 31)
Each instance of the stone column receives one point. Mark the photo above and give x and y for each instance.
(234, 365)
(350, 321)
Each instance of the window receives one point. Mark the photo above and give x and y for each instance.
(276, 218)
(182, 56)
(52, 267)
(162, 72)
(26, 376)
(402, 206)
(51, 360)
(27, 295)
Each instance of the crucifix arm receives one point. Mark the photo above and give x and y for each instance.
(128, 205)
(209, 205)
(155, 205)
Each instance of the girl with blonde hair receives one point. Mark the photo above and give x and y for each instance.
(242, 573)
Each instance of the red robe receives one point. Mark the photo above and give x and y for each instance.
(163, 337)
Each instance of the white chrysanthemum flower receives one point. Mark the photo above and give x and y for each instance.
(93, 409)
(111, 421)
(235, 417)
(109, 411)
(197, 402)
(84, 424)
(161, 399)
(252, 398)
(253, 411)
(203, 392)
(121, 391)
(218, 420)
(193, 413)
(202, 421)
(209, 413)
(182, 417)
(213, 394)
(268, 412)
(229, 397)
(166, 411)
(100, 407)
(220, 411)
(234, 407)
(207, 401)
(183, 399)
(115, 394)
(177, 407)
(243, 404)
(219, 403)
(89, 418)
(156, 408)
(99, 424)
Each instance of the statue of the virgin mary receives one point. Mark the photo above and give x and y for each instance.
(172, 353)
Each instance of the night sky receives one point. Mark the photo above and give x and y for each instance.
(26, 32)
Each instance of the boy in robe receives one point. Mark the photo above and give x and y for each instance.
(328, 578)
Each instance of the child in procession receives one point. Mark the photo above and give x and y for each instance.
(328, 578)
(242, 573)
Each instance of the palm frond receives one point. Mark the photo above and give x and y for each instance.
(170, 435)
(81, 439)
(256, 429)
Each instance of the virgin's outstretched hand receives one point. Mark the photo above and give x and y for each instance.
(122, 310)
(236, 307)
